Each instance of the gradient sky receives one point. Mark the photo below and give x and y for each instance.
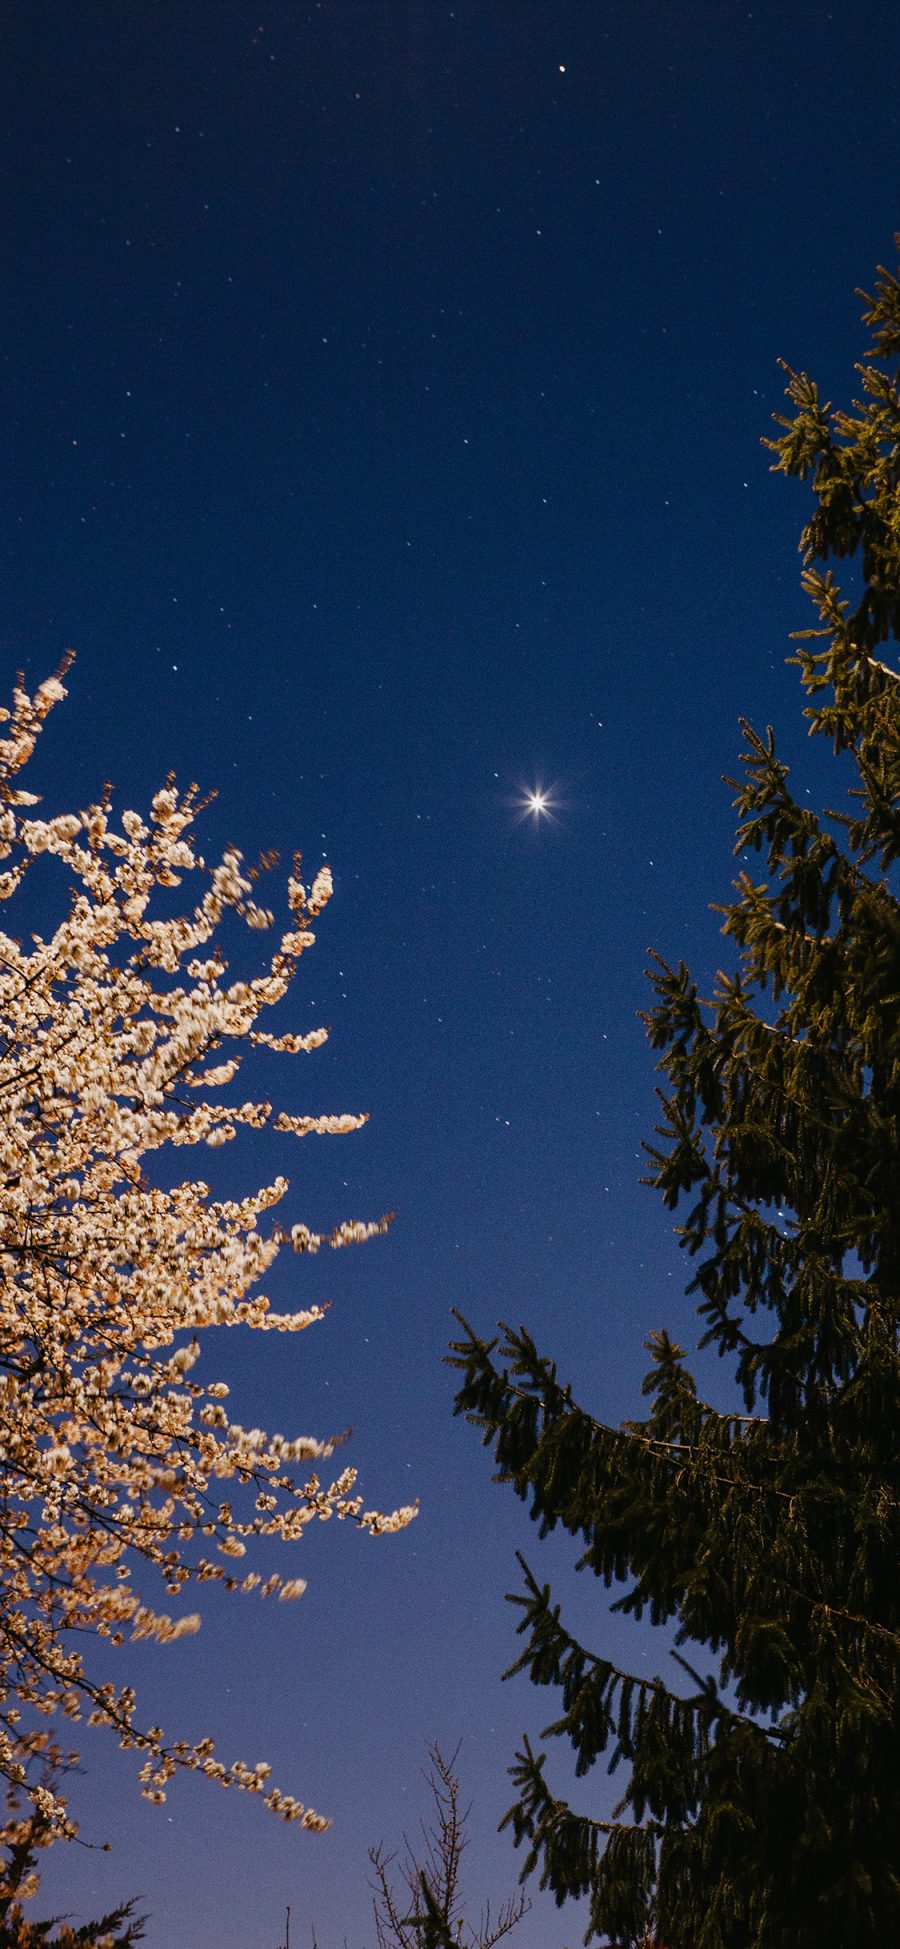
(383, 390)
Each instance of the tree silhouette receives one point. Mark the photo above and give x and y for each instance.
(762, 1802)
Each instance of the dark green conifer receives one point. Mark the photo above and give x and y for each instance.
(762, 1804)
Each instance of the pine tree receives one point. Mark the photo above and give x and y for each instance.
(762, 1805)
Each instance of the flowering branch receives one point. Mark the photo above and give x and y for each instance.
(113, 1456)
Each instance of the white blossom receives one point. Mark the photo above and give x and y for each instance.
(113, 1456)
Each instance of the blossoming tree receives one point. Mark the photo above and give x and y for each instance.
(118, 1035)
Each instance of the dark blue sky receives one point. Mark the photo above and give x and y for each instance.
(383, 390)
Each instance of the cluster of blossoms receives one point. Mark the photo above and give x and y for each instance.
(112, 1457)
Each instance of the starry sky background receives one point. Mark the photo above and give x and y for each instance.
(383, 389)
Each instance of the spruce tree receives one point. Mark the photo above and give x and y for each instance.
(761, 1808)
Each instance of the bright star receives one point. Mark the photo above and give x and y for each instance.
(540, 803)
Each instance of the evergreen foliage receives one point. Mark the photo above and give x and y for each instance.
(762, 1804)
(23, 1837)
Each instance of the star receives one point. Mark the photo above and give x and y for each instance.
(538, 803)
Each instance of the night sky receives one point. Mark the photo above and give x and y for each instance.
(383, 395)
